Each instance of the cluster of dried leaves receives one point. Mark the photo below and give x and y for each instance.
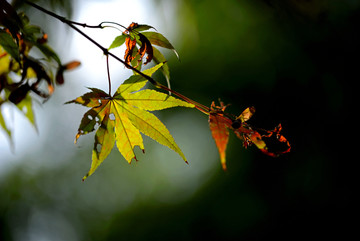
(119, 118)
(138, 42)
(221, 122)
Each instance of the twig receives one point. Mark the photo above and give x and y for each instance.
(204, 109)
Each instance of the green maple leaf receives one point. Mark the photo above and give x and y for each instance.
(120, 119)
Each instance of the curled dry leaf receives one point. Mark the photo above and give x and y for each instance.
(133, 38)
(220, 123)
(145, 48)
(130, 46)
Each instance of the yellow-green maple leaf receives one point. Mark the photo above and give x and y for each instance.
(121, 118)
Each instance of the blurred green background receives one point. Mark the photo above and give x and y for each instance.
(296, 61)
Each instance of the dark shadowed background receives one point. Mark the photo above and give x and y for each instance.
(296, 61)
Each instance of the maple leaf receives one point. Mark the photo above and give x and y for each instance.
(120, 118)
(219, 126)
(220, 123)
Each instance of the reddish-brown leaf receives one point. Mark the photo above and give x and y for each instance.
(130, 46)
(146, 47)
(220, 123)
(219, 126)
(135, 37)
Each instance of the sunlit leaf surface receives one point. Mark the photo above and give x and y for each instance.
(120, 118)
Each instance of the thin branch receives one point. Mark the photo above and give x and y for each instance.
(204, 109)
(86, 25)
(105, 50)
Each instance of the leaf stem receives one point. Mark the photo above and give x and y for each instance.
(203, 108)
(115, 24)
(108, 73)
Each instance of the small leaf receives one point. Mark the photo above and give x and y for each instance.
(159, 58)
(118, 41)
(143, 27)
(159, 40)
(145, 48)
(130, 47)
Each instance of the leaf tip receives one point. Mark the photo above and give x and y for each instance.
(133, 158)
(177, 55)
(223, 164)
(77, 137)
(86, 176)
(223, 160)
